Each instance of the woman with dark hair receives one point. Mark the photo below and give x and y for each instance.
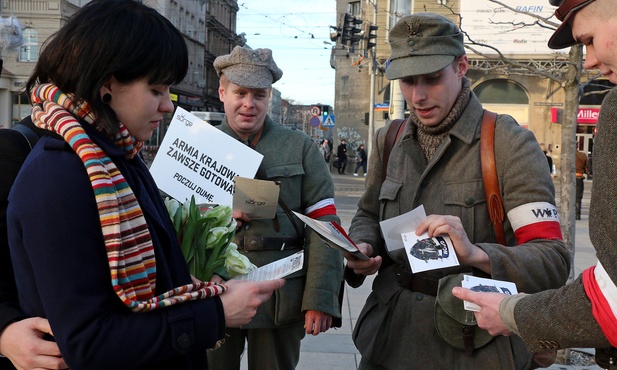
(92, 245)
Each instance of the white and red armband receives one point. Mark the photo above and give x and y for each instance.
(538, 220)
(324, 207)
(602, 293)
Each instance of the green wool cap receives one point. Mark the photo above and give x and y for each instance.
(249, 68)
(423, 43)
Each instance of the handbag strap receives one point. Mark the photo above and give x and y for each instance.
(260, 175)
(489, 174)
(27, 133)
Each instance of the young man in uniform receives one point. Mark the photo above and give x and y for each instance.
(436, 163)
(308, 302)
(581, 314)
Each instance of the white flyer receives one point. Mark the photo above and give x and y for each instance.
(478, 284)
(392, 228)
(425, 253)
(277, 269)
(198, 159)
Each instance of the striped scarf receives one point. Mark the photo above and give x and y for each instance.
(130, 252)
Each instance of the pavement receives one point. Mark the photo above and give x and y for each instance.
(335, 350)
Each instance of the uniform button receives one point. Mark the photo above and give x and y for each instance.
(253, 243)
(419, 296)
(469, 201)
(286, 172)
(184, 341)
(247, 226)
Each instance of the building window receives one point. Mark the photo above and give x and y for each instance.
(501, 92)
(594, 92)
(354, 8)
(29, 51)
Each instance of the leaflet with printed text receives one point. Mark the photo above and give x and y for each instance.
(277, 269)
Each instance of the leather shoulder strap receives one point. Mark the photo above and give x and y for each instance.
(27, 133)
(394, 132)
(489, 174)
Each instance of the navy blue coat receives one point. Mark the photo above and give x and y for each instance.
(62, 272)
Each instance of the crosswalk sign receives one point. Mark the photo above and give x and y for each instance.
(329, 122)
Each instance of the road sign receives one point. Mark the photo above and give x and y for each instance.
(315, 121)
(315, 110)
(329, 122)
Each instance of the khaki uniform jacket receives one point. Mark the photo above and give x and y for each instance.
(562, 318)
(451, 184)
(293, 159)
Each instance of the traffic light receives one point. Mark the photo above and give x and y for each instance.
(356, 31)
(325, 111)
(347, 27)
(371, 38)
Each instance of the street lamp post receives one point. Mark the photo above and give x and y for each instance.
(373, 71)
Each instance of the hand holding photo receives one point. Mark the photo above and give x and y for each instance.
(478, 284)
(425, 253)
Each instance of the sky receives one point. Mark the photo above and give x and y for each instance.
(298, 32)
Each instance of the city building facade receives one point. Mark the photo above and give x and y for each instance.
(208, 26)
(536, 101)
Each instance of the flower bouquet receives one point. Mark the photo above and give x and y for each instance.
(205, 237)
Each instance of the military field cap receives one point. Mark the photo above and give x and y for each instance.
(423, 43)
(562, 38)
(250, 68)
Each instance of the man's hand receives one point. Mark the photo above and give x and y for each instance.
(363, 267)
(467, 253)
(22, 342)
(240, 217)
(488, 317)
(316, 322)
(241, 300)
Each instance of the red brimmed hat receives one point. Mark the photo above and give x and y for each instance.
(562, 38)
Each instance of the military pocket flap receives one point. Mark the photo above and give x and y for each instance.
(390, 189)
(285, 170)
(464, 194)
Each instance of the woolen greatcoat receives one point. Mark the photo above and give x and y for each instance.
(562, 318)
(62, 270)
(396, 329)
(293, 158)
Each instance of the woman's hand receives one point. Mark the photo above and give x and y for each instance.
(242, 298)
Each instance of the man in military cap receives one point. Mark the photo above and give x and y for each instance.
(435, 162)
(581, 314)
(308, 303)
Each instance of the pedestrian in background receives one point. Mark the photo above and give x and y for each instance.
(582, 169)
(308, 303)
(341, 154)
(361, 160)
(549, 158)
(92, 245)
(436, 163)
(325, 150)
(580, 314)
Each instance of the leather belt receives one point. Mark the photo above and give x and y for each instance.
(262, 243)
(416, 282)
